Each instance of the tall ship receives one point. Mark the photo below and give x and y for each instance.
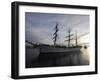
(58, 49)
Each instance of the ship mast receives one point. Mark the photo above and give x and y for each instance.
(55, 35)
(76, 38)
(69, 37)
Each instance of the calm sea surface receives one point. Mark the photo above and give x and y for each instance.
(35, 59)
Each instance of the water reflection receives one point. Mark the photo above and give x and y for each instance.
(35, 59)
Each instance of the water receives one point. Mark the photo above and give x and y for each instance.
(76, 58)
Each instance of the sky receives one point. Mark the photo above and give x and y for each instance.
(39, 27)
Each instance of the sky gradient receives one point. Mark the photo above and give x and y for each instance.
(39, 27)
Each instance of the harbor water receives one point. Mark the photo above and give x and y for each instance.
(34, 58)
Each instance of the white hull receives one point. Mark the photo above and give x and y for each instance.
(53, 50)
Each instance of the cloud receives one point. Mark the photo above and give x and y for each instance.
(39, 27)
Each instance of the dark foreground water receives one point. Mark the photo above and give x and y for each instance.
(36, 59)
